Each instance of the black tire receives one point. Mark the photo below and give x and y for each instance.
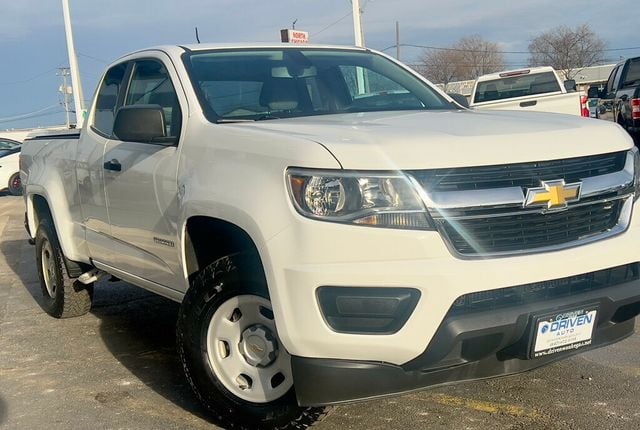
(228, 278)
(64, 297)
(15, 185)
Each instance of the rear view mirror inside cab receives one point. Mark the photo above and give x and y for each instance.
(293, 71)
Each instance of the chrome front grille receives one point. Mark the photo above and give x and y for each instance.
(520, 174)
(530, 230)
(486, 217)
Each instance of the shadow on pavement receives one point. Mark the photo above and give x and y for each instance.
(137, 327)
(21, 259)
(3, 410)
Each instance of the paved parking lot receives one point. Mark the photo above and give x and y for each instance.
(116, 368)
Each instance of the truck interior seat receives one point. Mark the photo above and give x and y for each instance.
(280, 94)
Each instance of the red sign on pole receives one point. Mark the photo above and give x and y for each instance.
(294, 36)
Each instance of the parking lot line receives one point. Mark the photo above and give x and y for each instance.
(480, 405)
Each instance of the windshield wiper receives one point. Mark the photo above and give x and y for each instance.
(265, 117)
(230, 121)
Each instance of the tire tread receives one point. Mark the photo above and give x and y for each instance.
(75, 298)
(210, 281)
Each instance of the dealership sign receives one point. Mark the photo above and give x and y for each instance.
(294, 36)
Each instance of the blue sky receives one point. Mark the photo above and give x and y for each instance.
(32, 40)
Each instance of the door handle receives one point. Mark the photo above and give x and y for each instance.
(529, 103)
(624, 97)
(113, 165)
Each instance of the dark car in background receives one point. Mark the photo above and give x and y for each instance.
(619, 101)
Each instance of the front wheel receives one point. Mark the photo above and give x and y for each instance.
(231, 354)
(15, 185)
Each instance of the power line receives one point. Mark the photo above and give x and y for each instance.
(33, 78)
(331, 25)
(58, 112)
(29, 114)
(100, 60)
(437, 48)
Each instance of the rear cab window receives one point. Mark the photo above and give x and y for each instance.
(516, 86)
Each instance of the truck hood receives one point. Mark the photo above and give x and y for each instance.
(435, 139)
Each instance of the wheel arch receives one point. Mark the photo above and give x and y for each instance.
(38, 208)
(207, 239)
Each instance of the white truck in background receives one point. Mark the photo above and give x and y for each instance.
(331, 241)
(538, 89)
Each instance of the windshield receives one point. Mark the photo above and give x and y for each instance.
(516, 86)
(257, 84)
(8, 147)
(8, 144)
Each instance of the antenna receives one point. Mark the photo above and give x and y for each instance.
(197, 36)
(293, 24)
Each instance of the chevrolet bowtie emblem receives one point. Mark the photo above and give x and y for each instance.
(553, 194)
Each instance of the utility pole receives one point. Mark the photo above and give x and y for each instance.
(78, 95)
(357, 23)
(361, 79)
(66, 91)
(397, 41)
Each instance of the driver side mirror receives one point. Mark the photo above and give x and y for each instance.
(142, 123)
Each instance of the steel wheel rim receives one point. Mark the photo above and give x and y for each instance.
(48, 268)
(230, 340)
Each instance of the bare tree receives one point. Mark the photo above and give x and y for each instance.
(440, 66)
(469, 58)
(478, 57)
(566, 50)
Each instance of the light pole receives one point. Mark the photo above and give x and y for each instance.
(357, 23)
(78, 95)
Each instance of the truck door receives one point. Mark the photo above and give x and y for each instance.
(141, 188)
(89, 171)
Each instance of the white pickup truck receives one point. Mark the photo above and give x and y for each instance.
(335, 227)
(538, 89)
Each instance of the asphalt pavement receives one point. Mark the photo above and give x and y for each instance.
(116, 368)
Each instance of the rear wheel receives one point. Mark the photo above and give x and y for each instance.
(15, 185)
(64, 297)
(231, 353)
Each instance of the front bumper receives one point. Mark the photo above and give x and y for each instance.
(467, 346)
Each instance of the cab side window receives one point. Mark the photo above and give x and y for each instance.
(616, 81)
(107, 99)
(610, 81)
(151, 85)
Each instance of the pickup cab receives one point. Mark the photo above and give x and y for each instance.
(334, 226)
(537, 89)
(619, 101)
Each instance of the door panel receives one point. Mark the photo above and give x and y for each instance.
(142, 202)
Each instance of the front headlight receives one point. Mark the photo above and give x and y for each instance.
(380, 200)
